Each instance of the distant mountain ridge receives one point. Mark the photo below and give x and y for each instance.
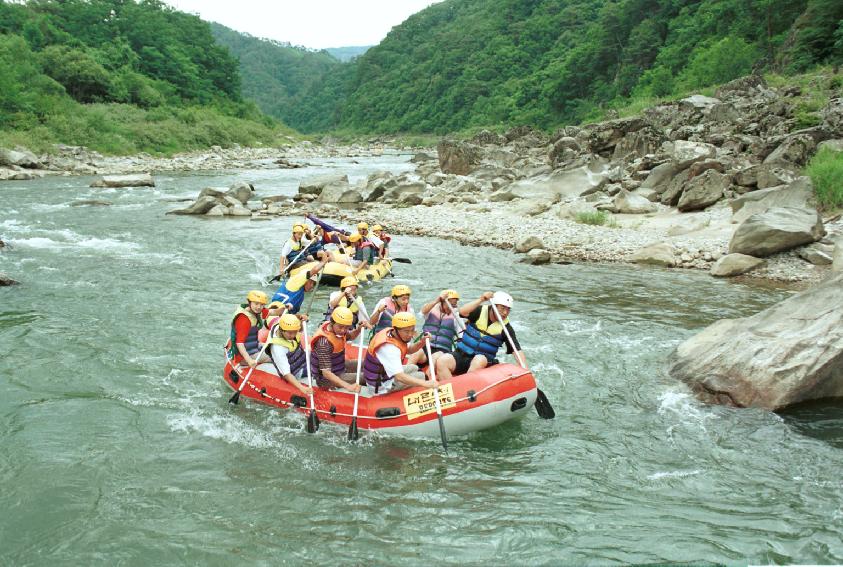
(346, 54)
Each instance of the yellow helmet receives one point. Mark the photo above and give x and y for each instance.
(289, 322)
(343, 316)
(354, 237)
(257, 297)
(400, 290)
(377, 228)
(298, 228)
(348, 281)
(403, 320)
(451, 293)
(362, 226)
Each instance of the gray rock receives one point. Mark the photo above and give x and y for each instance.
(20, 157)
(832, 116)
(673, 191)
(833, 145)
(602, 137)
(742, 86)
(660, 254)
(339, 191)
(241, 191)
(795, 150)
(422, 157)
(536, 257)
(837, 256)
(238, 211)
(6, 280)
(411, 199)
(703, 191)
(200, 207)
(134, 180)
(684, 153)
(528, 243)
(631, 204)
(789, 353)
(776, 230)
(91, 203)
(485, 137)
(700, 102)
(216, 211)
(314, 185)
(574, 208)
(771, 175)
(660, 176)
(798, 194)
(460, 158)
(817, 254)
(212, 192)
(735, 265)
(397, 194)
(688, 226)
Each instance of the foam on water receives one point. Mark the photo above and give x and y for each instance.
(43, 207)
(672, 474)
(684, 406)
(542, 367)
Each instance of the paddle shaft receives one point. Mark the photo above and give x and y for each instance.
(313, 294)
(515, 352)
(236, 395)
(307, 366)
(352, 428)
(436, 395)
(457, 319)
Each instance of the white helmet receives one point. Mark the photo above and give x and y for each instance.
(502, 298)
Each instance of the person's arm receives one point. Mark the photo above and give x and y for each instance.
(466, 309)
(317, 268)
(359, 329)
(284, 252)
(376, 314)
(428, 307)
(334, 299)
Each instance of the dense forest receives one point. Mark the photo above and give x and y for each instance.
(470, 63)
(119, 76)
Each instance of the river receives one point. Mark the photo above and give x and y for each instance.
(117, 446)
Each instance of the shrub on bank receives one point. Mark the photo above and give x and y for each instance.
(826, 172)
(599, 218)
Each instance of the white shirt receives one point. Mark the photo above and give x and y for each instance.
(279, 356)
(288, 246)
(390, 356)
(375, 240)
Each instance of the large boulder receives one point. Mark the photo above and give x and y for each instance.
(632, 204)
(837, 256)
(684, 153)
(134, 180)
(340, 192)
(399, 193)
(561, 184)
(602, 137)
(735, 265)
(818, 254)
(660, 176)
(6, 280)
(795, 150)
(776, 230)
(459, 158)
(20, 157)
(660, 254)
(703, 190)
(789, 353)
(798, 194)
(314, 185)
(241, 191)
(200, 207)
(832, 116)
(536, 257)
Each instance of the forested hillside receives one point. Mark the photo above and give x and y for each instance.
(119, 76)
(471, 63)
(278, 76)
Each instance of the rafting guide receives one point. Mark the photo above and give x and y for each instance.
(444, 380)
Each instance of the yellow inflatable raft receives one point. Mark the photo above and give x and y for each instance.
(334, 272)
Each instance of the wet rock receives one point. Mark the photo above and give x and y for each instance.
(211, 192)
(789, 353)
(7, 281)
(117, 181)
(735, 265)
(460, 158)
(339, 191)
(314, 185)
(217, 211)
(238, 211)
(632, 204)
(536, 257)
(528, 243)
(660, 254)
(776, 230)
(703, 191)
(19, 157)
(91, 203)
(200, 207)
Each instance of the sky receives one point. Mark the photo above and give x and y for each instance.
(310, 23)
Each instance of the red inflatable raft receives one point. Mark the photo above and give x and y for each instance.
(471, 402)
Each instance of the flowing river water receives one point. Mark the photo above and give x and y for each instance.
(117, 446)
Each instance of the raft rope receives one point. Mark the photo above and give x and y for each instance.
(263, 394)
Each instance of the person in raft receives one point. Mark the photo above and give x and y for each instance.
(398, 302)
(292, 291)
(346, 297)
(327, 357)
(302, 247)
(286, 354)
(483, 336)
(365, 253)
(381, 240)
(246, 323)
(440, 322)
(385, 367)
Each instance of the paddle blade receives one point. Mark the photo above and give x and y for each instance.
(233, 399)
(442, 434)
(275, 279)
(543, 407)
(353, 435)
(312, 422)
(402, 260)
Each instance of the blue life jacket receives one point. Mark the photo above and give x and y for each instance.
(442, 329)
(294, 251)
(480, 337)
(295, 298)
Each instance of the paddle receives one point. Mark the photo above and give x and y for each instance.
(436, 395)
(312, 418)
(290, 265)
(401, 260)
(313, 294)
(543, 407)
(352, 428)
(236, 397)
